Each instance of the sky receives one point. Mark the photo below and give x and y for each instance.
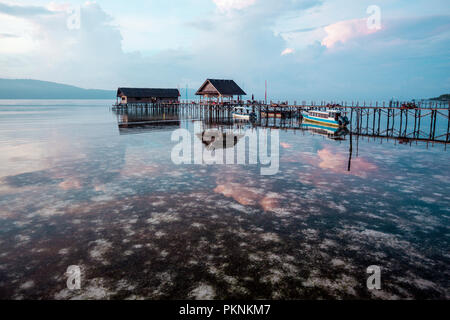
(339, 50)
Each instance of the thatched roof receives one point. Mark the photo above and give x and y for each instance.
(222, 87)
(148, 93)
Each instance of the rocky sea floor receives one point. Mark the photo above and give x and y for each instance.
(140, 227)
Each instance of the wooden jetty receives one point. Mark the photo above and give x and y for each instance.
(422, 120)
(401, 120)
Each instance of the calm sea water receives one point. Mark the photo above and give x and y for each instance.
(75, 189)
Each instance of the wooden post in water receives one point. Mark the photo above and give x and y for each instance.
(448, 123)
(401, 122)
(351, 118)
(361, 117)
(434, 125)
(367, 120)
(350, 152)
(418, 124)
(393, 121)
(388, 118)
(431, 124)
(406, 123)
(374, 115)
(357, 119)
(379, 119)
(415, 122)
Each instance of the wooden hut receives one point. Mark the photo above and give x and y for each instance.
(220, 90)
(147, 95)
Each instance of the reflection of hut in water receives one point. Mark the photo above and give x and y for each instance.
(218, 122)
(136, 116)
(144, 120)
(149, 126)
(216, 139)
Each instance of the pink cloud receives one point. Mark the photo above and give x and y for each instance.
(346, 30)
(338, 163)
(287, 51)
(140, 170)
(328, 160)
(285, 145)
(242, 194)
(270, 202)
(247, 194)
(70, 184)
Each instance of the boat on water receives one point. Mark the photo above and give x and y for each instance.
(330, 117)
(271, 114)
(243, 113)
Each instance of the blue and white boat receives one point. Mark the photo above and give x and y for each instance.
(330, 117)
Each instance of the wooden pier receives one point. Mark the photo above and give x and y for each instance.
(426, 121)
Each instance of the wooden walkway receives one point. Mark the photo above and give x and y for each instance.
(427, 121)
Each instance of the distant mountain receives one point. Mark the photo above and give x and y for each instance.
(36, 89)
(444, 97)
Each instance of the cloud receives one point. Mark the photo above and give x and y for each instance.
(287, 51)
(244, 41)
(71, 184)
(285, 145)
(8, 35)
(377, 65)
(338, 163)
(227, 5)
(248, 195)
(23, 10)
(344, 31)
(201, 24)
(329, 35)
(49, 50)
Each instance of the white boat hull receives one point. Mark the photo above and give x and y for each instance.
(241, 116)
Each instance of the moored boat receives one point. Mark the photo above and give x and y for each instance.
(271, 114)
(243, 113)
(330, 117)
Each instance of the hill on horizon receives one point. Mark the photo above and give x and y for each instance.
(37, 89)
(442, 97)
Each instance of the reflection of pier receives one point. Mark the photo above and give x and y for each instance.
(427, 124)
(145, 120)
(359, 130)
(422, 121)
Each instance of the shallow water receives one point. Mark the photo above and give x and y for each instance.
(75, 189)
